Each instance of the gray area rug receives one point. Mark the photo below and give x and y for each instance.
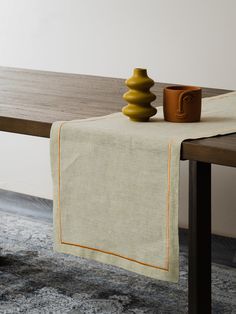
(34, 279)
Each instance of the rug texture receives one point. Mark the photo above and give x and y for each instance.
(33, 279)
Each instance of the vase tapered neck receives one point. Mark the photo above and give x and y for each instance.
(140, 72)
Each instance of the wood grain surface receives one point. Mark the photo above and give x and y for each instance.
(30, 101)
(219, 150)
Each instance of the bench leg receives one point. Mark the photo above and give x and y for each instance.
(199, 272)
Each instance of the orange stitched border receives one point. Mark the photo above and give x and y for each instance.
(166, 267)
(114, 254)
(168, 210)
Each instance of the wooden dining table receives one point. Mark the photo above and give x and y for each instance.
(31, 100)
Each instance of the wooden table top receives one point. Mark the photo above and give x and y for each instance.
(30, 101)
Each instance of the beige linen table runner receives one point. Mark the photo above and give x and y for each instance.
(116, 186)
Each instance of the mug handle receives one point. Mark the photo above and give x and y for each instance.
(185, 98)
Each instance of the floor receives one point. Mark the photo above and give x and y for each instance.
(34, 279)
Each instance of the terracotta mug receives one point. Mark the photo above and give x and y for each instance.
(182, 103)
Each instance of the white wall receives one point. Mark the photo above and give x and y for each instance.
(184, 41)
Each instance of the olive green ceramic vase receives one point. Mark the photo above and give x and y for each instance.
(139, 97)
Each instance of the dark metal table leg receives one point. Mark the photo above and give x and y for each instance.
(199, 272)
